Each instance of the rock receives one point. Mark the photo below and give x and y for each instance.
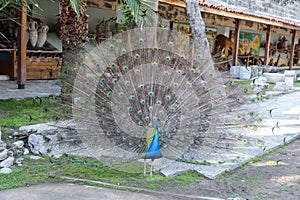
(20, 135)
(5, 170)
(15, 134)
(10, 153)
(15, 150)
(26, 151)
(260, 71)
(7, 162)
(38, 128)
(261, 81)
(19, 161)
(245, 73)
(272, 69)
(2, 145)
(235, 71)
(289, 81)
(274, 77)
(254, 71)
(260, 85)
(35, 157)
(37, 144)
(290, 73)
(281, 86)
(19, 144)
(52, 145)
(3, 154)
(290, 77)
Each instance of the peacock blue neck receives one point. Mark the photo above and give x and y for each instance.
(154, 148)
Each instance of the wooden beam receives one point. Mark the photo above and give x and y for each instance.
(21, 71)
(267, 47)
(236, 41)
(293, 49)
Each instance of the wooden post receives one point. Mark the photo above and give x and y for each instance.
(21, 71)
(292, 50)
(15, 62)
(236, 41)
(267, 47)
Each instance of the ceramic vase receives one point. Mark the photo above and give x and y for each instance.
(33, 33)
(42, 36)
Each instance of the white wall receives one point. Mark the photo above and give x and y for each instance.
(49, 10)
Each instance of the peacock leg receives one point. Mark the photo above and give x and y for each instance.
(151, 167)
(145, 167)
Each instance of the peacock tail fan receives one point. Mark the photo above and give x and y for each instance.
(152, 86)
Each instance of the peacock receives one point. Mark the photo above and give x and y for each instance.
(151, 93)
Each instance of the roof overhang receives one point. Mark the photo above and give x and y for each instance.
(218, 9)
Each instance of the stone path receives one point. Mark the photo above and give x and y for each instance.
(286, 114)
(33, 88)
(65, 191)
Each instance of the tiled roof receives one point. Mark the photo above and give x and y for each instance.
(240, 13)
(243, 12)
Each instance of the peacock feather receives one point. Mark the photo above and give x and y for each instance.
(151, 93)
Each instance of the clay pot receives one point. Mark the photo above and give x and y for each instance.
(33, 33)
(42, 36)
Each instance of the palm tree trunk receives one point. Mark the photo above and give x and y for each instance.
(74, 34)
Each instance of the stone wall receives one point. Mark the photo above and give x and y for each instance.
(265, 7)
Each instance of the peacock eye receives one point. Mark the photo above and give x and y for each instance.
(113, 66)
(137, 56)
(154, 64)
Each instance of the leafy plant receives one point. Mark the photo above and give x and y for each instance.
(7, 5)
(137, 13)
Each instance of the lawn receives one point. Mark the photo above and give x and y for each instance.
(243, 84)
(16, 113)
(50, 169)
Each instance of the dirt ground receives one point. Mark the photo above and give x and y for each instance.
(275, 177)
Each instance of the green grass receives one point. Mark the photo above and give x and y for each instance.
(25, 175)
(40, 171)
(246, 84)
(92, 169)
(297, 84)
(16, 113)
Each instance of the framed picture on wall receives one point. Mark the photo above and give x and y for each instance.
(248, 41)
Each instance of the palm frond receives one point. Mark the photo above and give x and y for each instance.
(76, 6)
(6, 5)
(142, 10)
